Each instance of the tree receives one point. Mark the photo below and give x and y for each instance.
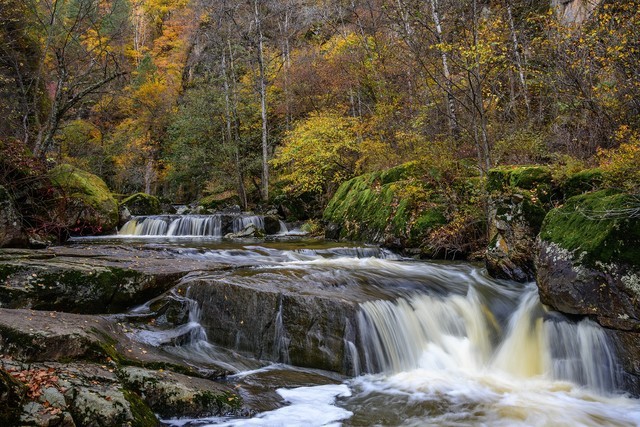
(318, 154)
(82, 43)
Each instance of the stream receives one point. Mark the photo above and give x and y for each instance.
(428, 343)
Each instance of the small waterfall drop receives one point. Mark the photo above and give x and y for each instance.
(242, 222)
(217, 225)
(281, 341)
(460, 333)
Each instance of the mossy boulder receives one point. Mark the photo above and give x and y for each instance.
(585, 181)
(598, 227)
(88, 205)
(519, 201)
(170, 394)
(392, 207)
(142, 204)
(589, 264)
(11, 233)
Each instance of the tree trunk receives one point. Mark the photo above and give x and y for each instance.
(451, 106)
(263, 103)
(518, 59)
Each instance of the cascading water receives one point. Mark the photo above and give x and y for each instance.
(173, 225)
(460, 333)
(242, 222)
(193, 225)
(428, 343)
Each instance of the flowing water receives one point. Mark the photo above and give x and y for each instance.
(437, 344)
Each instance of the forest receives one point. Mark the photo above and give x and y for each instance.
(278, 102)
(319, 212)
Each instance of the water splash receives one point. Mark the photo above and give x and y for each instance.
(460, 333)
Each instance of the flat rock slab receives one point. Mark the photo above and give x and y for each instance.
(89, 279)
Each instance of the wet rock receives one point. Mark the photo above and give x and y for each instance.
(518, 204)
(271, 224)
(107, 379)
(11, 233)
(142, 204)
(170, 394)
(125, 215)
(89, 279)
(79, 287)
(249, 231)
(89, 206)
(589, 264)
(35, 336)
(307, 327)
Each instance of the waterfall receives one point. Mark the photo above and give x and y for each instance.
(460, 333)
(216, 225)
(280, 339)
(242, 222)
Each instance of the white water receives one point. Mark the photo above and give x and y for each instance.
(164, 225)
(453, 349)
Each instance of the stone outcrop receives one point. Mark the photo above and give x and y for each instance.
(74, 370)
(64, 281)
(588, 264)
(393, 208)
(574, 11)
(519, 199)
(88, 207)
(301, 324)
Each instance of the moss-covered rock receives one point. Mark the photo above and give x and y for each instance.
(77, 288)
(519, 201)
(598, 227)
(582, 182)
(170, 394)
(589, 264)
(89, 206)
(393, 207)
(11, 233)
(142, 204)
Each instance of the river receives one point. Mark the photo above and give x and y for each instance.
(433, 343)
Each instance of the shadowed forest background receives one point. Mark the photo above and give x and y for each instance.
(244, 102)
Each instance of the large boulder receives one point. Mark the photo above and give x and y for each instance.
(66, 369)
(395, 208)
(88, 207)
(142, 204)
(11, 233)
(283, 321)
(518, 202)
(588, 264)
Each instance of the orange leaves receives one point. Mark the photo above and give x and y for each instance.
(36, 380)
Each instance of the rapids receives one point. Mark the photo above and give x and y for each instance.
(435, 344)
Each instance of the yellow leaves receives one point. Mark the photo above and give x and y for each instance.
(621, 164)
(319, 151)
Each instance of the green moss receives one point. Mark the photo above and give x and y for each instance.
(582, 182)
(598, 225)
(523, 177)
(142, 204)
(142, 415)
(88, 188)
(218, 403)
(399, 173)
